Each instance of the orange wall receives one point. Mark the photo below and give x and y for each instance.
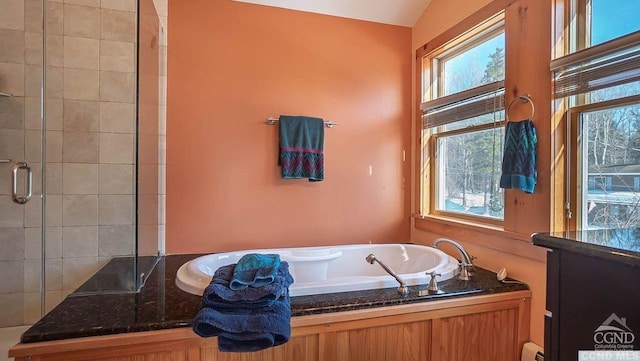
(232, 65)
(527, 69)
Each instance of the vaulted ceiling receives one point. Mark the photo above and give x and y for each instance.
(394, 12)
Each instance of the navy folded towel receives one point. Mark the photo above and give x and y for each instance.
(218, 290)
(246, 330)
(215, 301)
(519, 158)
(246, 342)
(254, 270)
(301, 147)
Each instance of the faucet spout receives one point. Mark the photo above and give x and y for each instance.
(466, 260)
(402, 289)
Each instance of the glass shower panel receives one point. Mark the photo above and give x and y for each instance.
(89, 152)
(21, 202)
(124, 146)
(93, 53)
(147, 187)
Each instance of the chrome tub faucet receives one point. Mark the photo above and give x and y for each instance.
(402, 289)
(466, 260)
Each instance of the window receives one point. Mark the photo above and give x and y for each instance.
(610, 19)
(600, 79)
(607, 160)
(463, 125)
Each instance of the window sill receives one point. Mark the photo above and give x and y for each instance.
(483, 235)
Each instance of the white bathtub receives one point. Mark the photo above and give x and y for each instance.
(318, 270)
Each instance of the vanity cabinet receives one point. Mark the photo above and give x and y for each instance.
(487, 327)
(592, 292)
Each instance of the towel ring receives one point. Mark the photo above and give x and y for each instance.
(525, 99)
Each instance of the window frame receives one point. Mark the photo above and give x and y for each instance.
(578, 179)
(572, 30)
(490, 29)
(434, 185)
(432, 88)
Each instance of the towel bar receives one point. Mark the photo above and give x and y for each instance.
(328, 124)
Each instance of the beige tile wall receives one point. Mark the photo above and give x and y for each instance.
(90, 114)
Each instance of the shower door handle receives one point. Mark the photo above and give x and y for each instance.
(14, 183)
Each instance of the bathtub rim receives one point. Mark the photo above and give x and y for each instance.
(448, 266)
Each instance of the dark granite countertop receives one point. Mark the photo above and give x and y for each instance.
(162, 305)
(618, 245)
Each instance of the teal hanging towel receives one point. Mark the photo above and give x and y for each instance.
(301, 147)
(519, 157)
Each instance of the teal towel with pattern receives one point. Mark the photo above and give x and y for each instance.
(519, 157)
(301, 147)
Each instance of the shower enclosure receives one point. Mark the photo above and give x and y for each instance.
(79, 149)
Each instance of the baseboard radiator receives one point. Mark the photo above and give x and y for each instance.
(532, 352)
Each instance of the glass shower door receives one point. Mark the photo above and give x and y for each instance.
(21, 84)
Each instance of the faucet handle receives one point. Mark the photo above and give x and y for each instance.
(433, 285)
(465, 271)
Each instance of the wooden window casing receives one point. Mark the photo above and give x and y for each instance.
(432, 78)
